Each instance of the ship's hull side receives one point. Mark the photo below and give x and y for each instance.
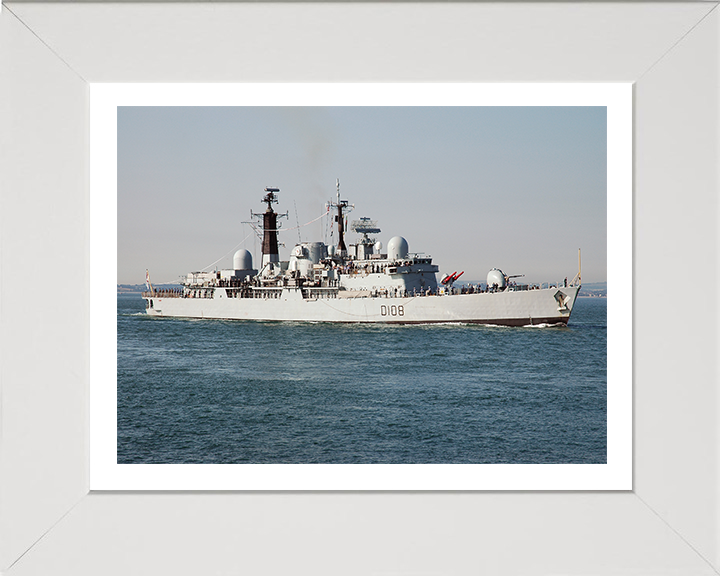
(509, 308)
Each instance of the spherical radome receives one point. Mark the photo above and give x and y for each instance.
(397, 248)
(242, 260)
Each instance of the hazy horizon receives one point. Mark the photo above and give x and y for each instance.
(518, 188)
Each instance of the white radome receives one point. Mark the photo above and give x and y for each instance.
(397, 248)
(242, 260)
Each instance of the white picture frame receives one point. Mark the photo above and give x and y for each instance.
(50, 52)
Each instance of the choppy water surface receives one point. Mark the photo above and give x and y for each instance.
(214, 391)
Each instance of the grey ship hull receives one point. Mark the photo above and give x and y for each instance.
(507, 308)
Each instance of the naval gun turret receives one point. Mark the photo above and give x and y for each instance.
(498, 280)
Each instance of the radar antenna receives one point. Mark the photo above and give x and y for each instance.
(271, 197)
(365, 226)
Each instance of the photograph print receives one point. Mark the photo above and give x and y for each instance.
(362, 285)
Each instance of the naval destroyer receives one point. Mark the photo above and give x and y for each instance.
(355, 283)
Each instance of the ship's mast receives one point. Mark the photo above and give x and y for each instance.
(340, 219)
(270, 252)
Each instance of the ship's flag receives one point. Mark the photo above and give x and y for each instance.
(147, 279)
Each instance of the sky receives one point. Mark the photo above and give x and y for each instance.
(517, 188)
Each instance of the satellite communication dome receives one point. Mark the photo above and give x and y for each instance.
(331, 250)
(397, 248)
(378, 247)
(242, 260)
(496, 276)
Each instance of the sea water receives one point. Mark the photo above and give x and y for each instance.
(216, 391)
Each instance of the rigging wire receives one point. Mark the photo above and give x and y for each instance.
(297, 221)
(301, 225)
(251, 233)
(228, 252)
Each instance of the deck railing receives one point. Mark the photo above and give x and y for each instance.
(170, 293)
